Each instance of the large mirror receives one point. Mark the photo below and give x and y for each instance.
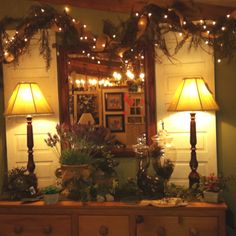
(106, 92)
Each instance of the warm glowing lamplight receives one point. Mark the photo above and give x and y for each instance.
(86, 119)
(193, 95)
(27, 99)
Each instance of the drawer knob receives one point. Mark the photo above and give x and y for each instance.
(103, 230)
(18, 229)
(193, 232)
(47, 229)
(139, 219)
(161, 231)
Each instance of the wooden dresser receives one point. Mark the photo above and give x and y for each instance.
(69, 218)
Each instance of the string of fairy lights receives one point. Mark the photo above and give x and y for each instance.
(128, 41)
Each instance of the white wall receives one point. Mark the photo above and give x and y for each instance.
(195, 62)
(32, 68)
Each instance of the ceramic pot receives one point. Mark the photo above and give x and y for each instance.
(69, 172)
(212, 197)
(51, 198)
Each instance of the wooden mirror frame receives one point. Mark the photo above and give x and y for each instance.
(150, 93)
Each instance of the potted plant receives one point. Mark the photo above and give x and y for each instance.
(85, 149)
(213, 187)
(50, 194)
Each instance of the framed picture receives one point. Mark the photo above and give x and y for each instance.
(116, 123)
(114, 101)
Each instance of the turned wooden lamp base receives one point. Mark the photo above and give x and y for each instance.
(30, 145)
(194, 177)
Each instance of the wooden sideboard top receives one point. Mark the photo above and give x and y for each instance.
(77, 204)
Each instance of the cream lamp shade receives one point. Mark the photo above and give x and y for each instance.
(27, 98)
(86, 119)
(193, 94)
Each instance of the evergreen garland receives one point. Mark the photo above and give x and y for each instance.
(128, 40)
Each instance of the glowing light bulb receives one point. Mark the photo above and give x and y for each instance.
(67, 9)
(101, 82)
(142, 76)
(117, 75)
(219, 60)
(149, 14)
(129, 74)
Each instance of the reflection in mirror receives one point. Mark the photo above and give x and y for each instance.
(107, 92)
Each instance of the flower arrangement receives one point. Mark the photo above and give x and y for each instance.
(86, 160)
(213, 183)
(80, 143)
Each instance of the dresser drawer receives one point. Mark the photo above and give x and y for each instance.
(35, 225)
(103, 225)
(174, 225)
(159, 226)
(203, 226)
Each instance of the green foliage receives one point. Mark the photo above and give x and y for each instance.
(51, 189)
(81, 189)
(128, 191)
(106, 164)
(19, 184)
(194, 193)
(74, 157)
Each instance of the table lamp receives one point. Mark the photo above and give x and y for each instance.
(27, 99)
(193, 95)
(86, 119)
